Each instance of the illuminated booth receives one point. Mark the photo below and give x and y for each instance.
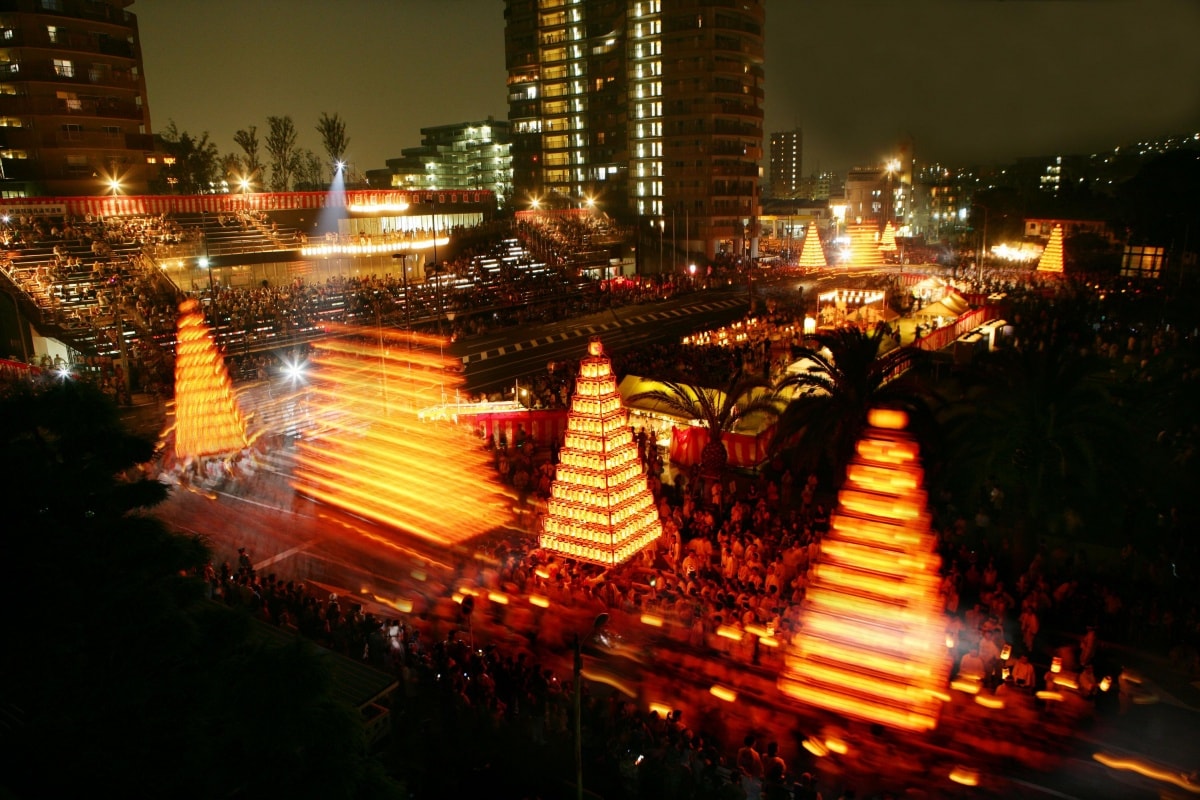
(872, 636)
(747, 444)
(208, 421)
(600, 508)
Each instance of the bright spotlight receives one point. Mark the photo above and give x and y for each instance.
(294, 370)
(203, 262)
(114, 184)
(63, 373)
(245, 182)
(340, 166)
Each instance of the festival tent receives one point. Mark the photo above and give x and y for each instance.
(746, 444)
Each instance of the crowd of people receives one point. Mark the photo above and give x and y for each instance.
(736, 553)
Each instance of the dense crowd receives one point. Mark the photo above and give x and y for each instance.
(736, 553)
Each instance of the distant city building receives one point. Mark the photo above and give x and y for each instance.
(883, 193)
(74, 118)
(787, 151)
(651, 107)
(818, 186)
(464, 156)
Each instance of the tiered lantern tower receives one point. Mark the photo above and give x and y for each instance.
(872, 641)
(1052, 256)
(208, 421)
(887, 241)
(601, 509)
(864, 245)
(812, 254)
(373, 455)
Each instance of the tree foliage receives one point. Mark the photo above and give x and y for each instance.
(123, 679)
(828, 403)
(333, 136)
(190, 166)
(282, 148)
(719, 409)
(247, 139)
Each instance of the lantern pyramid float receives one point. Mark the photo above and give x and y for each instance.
(887, 242)
(600, 508)
(812, 254)
(872, 640)
(208, 421)
(1052, 256)
(372, 455)
(864, 249)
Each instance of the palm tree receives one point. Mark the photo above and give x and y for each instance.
(718, 409)
(827, 403)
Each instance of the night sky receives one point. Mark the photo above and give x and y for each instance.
(972, 81)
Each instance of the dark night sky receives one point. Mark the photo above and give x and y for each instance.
(972, 81)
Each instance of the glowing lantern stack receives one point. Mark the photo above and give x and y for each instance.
(887, 242)
(1052, 256)
(812, 254)
(372, 455)
(208, 421)
(601, 509)
(864, 249)
(872, 640)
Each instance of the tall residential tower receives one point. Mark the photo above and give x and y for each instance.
(651, 107)
(73, 113)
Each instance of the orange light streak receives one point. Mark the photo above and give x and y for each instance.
(872, 631)
(1148, 770)
(208, 421)
(653, 620)
(539, 601)
(723, 693)
(965, 776)
(372, 456)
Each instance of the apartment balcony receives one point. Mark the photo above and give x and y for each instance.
(13, 105)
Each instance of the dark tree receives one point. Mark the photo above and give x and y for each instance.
(118, 675)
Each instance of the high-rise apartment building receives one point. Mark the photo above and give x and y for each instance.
(73, 113)
(787, 150)
(466, 156)
(651, 107)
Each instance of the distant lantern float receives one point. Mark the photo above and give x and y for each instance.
(208, 421)
(872, 640)
(600, 509)
(1052, 257)
(864, 247)
(887, 241)
(372, 455)
(812, 254)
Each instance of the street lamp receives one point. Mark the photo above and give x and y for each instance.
(600, 621)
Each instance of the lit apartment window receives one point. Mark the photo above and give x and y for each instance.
(52, 33)
(16, 155)
(52, 5)
(64, 68)
(9, 33)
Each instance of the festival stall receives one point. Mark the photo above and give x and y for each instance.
(746, 444)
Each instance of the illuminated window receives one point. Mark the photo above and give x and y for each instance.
(64, 68)
(51, 33)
